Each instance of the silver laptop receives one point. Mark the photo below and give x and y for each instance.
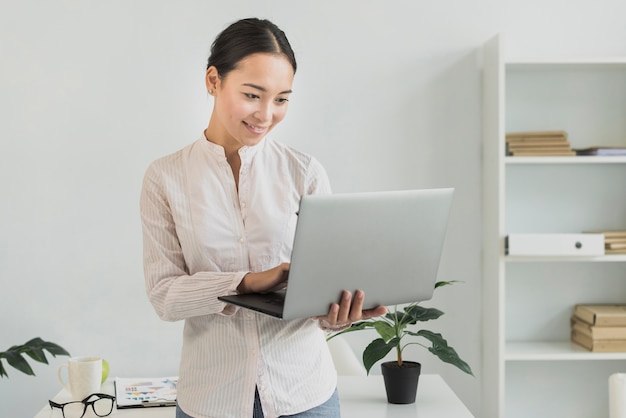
(387, 244)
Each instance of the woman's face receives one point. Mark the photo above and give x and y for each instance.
(250, 100)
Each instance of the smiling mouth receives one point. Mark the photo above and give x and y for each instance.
(254, 128)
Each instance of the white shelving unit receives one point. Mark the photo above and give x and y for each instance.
(530, 367)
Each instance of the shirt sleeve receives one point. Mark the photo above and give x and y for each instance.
(174, 294)
(317, 181)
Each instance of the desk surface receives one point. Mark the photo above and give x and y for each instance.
(360, 397)
(363, 397)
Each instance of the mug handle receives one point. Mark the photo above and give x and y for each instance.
(60, 377)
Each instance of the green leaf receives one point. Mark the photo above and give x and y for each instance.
(36, 354)
(445, 283)
(18, 362)
(54, 349)
(35, 349)
(385, 330)
(420, 313)
(35, 342)
(441, 349)
(376, 350)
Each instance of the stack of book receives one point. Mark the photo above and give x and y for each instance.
(538, 143)
(600, 328)
(614, 241)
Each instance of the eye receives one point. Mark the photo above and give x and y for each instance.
(251, 96)
(282, 100)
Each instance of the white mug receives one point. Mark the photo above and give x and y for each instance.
(85, 376)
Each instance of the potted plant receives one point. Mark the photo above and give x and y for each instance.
(400, 376)
(34, 349)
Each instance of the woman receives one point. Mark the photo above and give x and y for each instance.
(218, 218)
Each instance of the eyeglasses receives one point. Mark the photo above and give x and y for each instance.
(102, 406)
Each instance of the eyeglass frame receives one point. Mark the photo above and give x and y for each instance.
(86, 404)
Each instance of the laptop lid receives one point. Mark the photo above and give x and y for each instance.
(387, 244)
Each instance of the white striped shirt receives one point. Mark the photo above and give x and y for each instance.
(201, 236)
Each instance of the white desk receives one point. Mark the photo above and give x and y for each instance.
(364, 397)
(361, 397)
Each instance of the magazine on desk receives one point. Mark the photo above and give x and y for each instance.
(143, 392)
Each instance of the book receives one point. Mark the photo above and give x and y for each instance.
(534, 134)
(543, 150)
(607, 315)
(535, 153)
(596, 332)
(598, 346)
(538, 145)
(142, 392)
(615, 251)
(537, 140)
(602, 151)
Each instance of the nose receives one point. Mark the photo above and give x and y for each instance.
(264, 112)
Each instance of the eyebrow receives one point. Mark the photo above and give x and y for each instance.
(263, 89)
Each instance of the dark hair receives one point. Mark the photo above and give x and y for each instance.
(246, 37)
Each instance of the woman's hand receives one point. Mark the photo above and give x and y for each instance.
(348, 310)
(265, 281)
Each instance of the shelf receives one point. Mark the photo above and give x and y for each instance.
(602, 63)
(528, 300)
(595, 259)
(566, 160)
(554, 350)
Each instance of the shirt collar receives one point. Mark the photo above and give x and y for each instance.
(245, 152)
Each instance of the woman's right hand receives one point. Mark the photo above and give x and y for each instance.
(265, 281)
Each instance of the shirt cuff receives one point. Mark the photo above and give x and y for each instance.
(325, 326)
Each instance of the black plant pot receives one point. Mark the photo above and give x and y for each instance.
(401, 382)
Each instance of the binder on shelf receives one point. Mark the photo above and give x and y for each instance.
(555, 244)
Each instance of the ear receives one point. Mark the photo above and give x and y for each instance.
(212, 79)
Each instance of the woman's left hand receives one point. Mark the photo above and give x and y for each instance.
(348, 310)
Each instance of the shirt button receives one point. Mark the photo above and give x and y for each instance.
(241, 240)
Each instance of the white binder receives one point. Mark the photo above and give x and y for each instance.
(555, 244)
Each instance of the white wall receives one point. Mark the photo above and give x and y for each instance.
(387, 97)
